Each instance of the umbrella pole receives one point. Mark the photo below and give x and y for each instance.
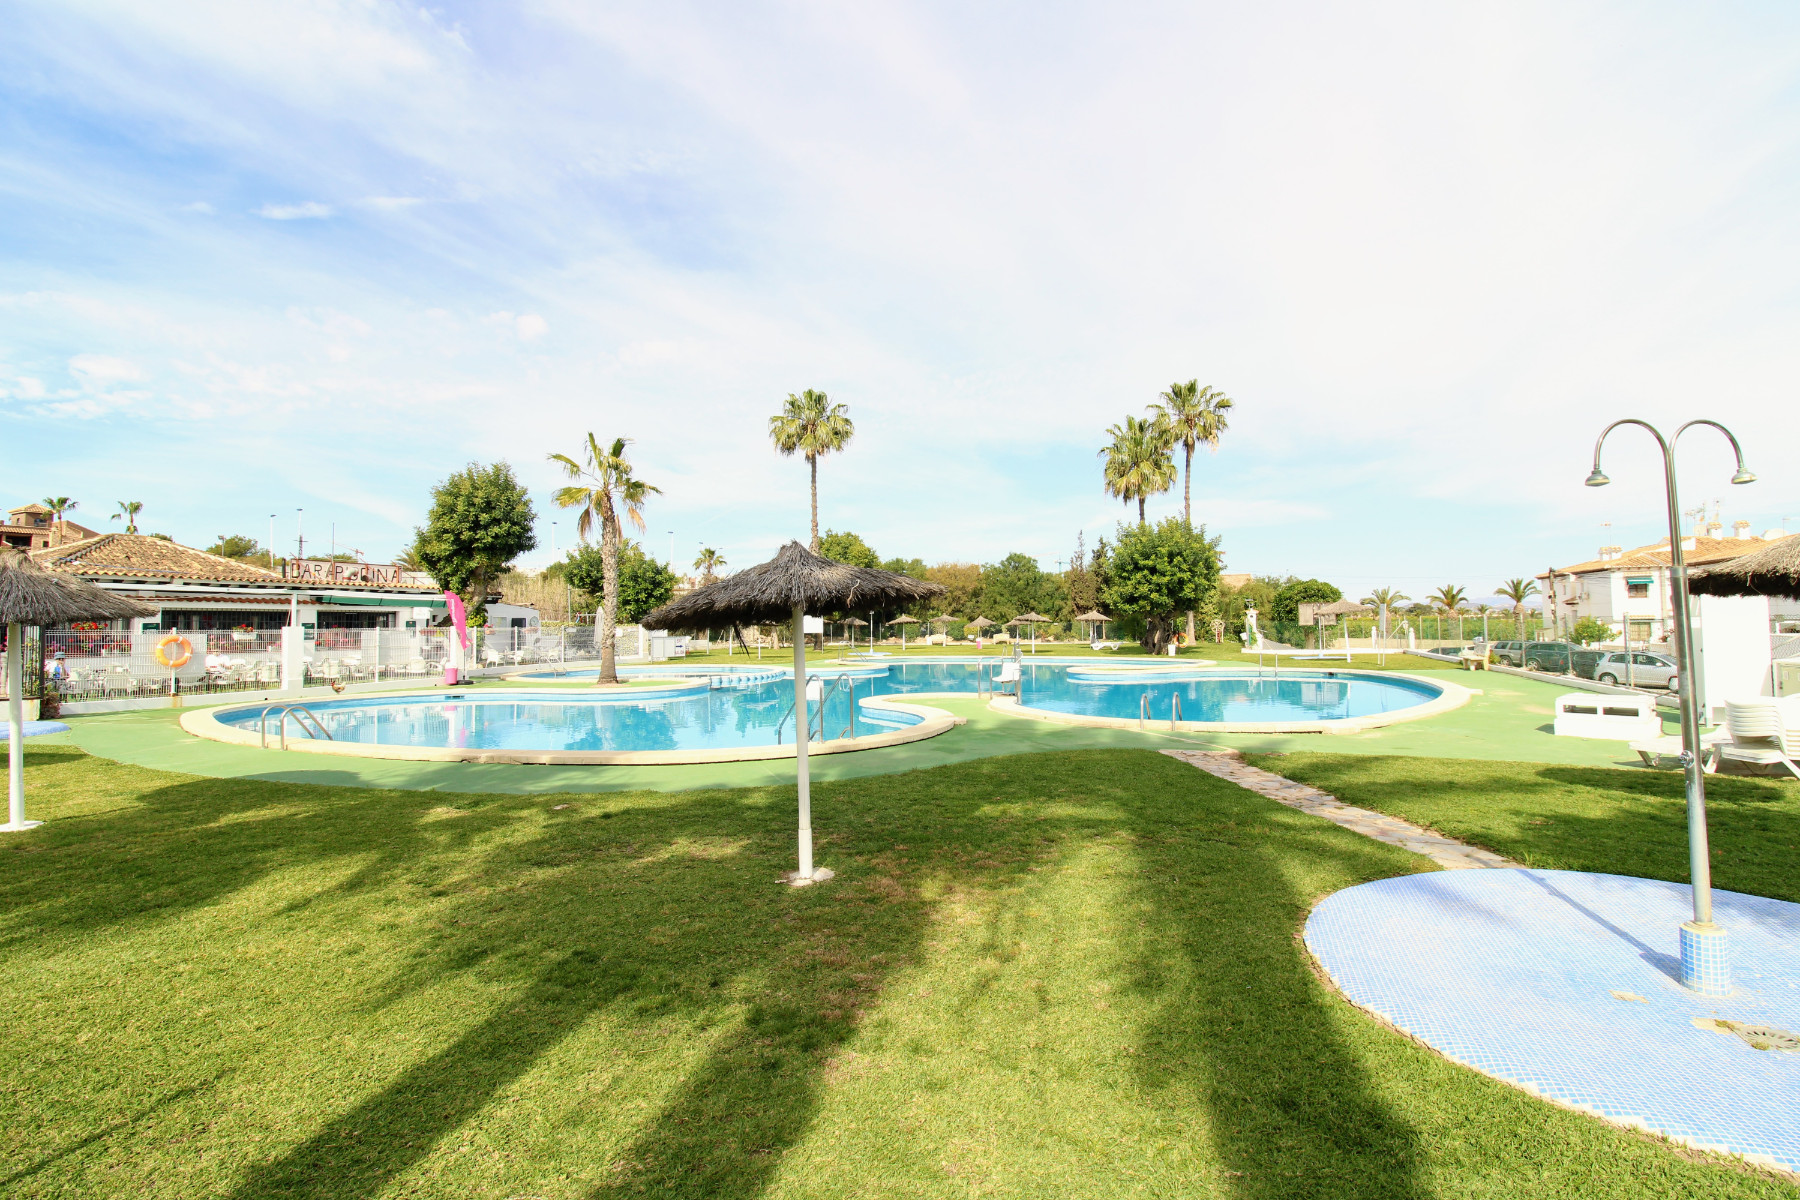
(803, 720)
(15, 742)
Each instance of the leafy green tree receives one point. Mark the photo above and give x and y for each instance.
(1286, 606)
(1588, 631)
(812, 425)
(481, 519)
(1017, 585)
(708, 562)
(236, 545)
(128, 513)
(1157, 572)
(1138, 463)
(603, 485)
(962, 591)
(913, 568)
(1191, 416)
(846, 548)
(644, 583)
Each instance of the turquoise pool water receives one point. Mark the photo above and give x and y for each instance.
(754, 707)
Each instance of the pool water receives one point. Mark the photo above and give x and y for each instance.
(753, 709)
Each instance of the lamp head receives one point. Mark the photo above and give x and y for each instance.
(1596, 479)
(1744, 475)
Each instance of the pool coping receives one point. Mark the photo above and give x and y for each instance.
(204, 723)
(1450, 696)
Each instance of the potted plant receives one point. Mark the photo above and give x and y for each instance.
(243, 633)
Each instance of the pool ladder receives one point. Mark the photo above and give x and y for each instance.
(301, 715)
(824, 696)
(1174, 711)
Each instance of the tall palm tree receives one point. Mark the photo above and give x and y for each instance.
(603, 484)
(1518, 591)
(60, 507)
(812, 425)
(708, 563)
(1138, 463)
(1448, 600)
(1191, 416)
(1386, 599)
(128, 513)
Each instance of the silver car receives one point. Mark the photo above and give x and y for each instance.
(1642, 670)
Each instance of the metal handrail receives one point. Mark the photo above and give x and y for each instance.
(301, 715)
(1143, 709)
(1174, 710)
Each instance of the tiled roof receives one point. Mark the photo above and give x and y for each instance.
(1705, 550)
(138, 556)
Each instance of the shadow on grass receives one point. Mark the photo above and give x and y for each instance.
(1621, 821)
(1245, 1023)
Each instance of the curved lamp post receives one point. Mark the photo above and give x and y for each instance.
(1703, 964)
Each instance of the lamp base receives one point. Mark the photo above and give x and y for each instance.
(819, 875)
(19, 826)
(1705, 965)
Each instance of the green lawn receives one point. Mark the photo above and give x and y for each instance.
(1625, 822)
(1050, 975)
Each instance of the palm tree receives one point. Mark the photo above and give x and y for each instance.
(128, 512)
(60, 507)
(812, 425)
(1138, 463)
(1448, 599)
(1385, 599)
(709, 562)
(1191, 416)
(608, 485)
(1518, 591)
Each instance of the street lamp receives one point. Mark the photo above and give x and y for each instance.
(1703, 964)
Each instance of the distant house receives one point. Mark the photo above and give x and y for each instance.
(31, 527)
(1629, 589)
(196, 591)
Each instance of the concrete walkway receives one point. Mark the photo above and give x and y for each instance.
(1445, 852)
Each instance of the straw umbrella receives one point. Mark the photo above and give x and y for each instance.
(903, 621)
(781, 589)
(1771, 572)
(978, 624)
(1337, 608)
(943, 621)
(1090, 617)
(31, 596)
(855, 623)
(1034, 620)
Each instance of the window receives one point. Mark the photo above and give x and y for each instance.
(1638, 589)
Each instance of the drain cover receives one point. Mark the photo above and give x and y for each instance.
(1762, 1037)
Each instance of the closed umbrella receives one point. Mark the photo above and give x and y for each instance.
(30, 595)
(784, 588)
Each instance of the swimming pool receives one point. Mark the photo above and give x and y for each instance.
(714, 715)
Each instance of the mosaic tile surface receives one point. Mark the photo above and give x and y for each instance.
(1566, 984)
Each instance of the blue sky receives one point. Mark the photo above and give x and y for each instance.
(318, 254)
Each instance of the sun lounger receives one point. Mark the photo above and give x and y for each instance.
(1763, 731)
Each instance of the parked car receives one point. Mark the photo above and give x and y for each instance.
(1510, 653)
(1547, 656)
(1639, 669)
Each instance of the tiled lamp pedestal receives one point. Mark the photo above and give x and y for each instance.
(1704, 966)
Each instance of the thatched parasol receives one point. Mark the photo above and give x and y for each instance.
(903, 621)
(978, 623)
(30, 595)
(1032, 619)
(1774, 571)
(1091, 616)
(782, 589)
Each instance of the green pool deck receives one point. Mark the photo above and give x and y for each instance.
(1509, 721)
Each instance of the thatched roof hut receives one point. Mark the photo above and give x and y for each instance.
(769, 592)
(1771, 572)
(30, 595)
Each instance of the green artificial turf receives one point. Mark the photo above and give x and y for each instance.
(1624, 822)
(1052, 975)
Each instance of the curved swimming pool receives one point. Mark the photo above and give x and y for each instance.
(749, 713)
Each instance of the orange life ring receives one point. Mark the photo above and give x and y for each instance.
(183, 650)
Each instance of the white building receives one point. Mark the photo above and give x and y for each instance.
(1630, 589)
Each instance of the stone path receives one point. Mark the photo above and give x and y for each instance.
(1445, 852)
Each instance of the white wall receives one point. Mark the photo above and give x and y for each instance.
(1731, 649)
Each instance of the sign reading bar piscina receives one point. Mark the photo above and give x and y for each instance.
(308, 570)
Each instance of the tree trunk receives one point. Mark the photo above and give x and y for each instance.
(1140, 510)
(813, 462)
(609, 603)
(1187, 502)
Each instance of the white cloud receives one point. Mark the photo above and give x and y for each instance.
(198, 206)
(100, 370)
(309, 210)
(531, 327)
(391, 203)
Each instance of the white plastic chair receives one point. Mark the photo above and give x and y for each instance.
(1761, 733)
